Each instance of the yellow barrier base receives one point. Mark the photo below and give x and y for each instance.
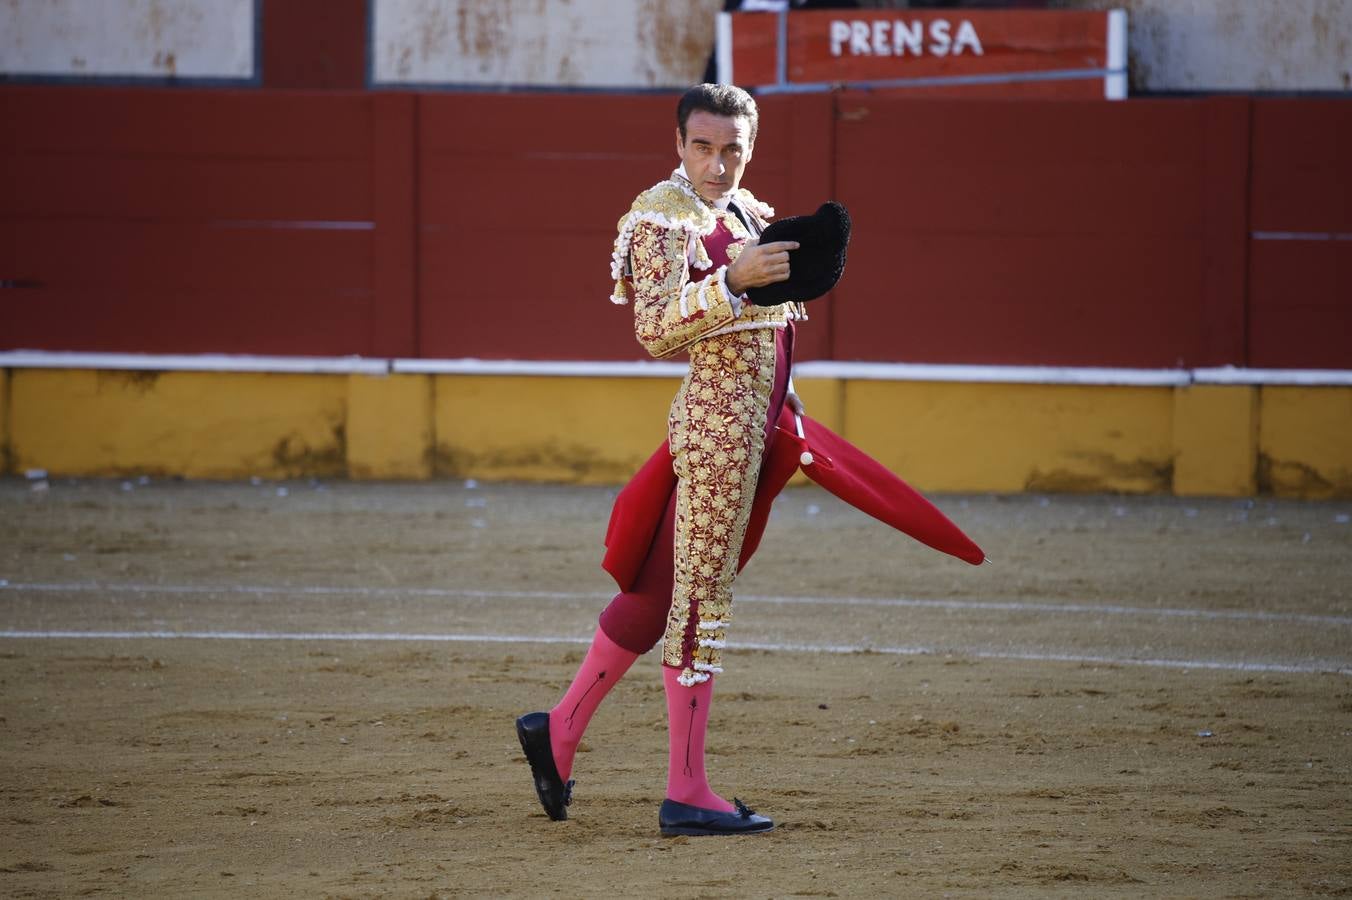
(1215, 440)
(1305, 441)
(194, 424)
(940, 436)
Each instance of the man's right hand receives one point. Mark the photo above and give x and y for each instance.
(760, 264)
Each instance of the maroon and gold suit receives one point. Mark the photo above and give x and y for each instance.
(670, 261)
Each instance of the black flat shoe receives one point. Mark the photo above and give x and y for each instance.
(533, 731)
(682, 818)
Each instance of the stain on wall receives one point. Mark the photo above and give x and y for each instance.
(138, 38)
(543, 43)
(1229, 45)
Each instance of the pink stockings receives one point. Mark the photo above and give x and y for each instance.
(630, 626)
(687, 723)
(605, 665)
(687, 715)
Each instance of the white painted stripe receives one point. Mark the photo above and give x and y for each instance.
(855, 371)
(292, 636)
(304, 590)
(298, 224)
(288, 590)
(1305, 377)
(1115, 82)
(782, 47)
(1117, 39)
(182, 362)
(872, 371)
(1301, 236)
(976, 652)
(723, 48)
(813, 87)
(1108, 609)
(1016, 606)
(1331, 667)
(635, 369)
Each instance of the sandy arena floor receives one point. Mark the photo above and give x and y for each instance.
(1141, 697)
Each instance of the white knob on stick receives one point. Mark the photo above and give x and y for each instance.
(806, 456)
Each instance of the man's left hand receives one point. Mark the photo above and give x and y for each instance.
(795, 404)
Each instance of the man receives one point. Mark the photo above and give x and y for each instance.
(686, 254)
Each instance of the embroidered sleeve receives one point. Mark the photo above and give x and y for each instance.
(670, 311)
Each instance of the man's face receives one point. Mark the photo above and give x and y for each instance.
(715, 151)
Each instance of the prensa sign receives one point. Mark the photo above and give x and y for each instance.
(1047, 53)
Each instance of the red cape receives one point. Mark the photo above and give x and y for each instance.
(839, 466)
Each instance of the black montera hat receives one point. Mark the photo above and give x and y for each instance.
(819, 261)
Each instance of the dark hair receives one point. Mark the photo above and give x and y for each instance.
(719, 99)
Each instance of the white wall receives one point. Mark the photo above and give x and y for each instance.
(1235, 45)
(543, 43)
(111, 38)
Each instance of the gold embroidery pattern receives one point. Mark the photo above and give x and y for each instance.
(670, 312)
(717, 420)
(734, 224)
(757, 208)
(716, 430)
(672, 204)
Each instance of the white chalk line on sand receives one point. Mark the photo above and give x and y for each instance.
(1107, 609)
(404, 637)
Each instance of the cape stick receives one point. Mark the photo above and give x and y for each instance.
(806, 457)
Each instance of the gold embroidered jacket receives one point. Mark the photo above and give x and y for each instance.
(662, 262)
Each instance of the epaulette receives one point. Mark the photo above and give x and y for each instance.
(763, 211)
(672, 204)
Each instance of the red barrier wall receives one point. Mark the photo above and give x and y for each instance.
(519, 197)
(1075, 233)
(480, 225)
(1300, 258)
(236, 222)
